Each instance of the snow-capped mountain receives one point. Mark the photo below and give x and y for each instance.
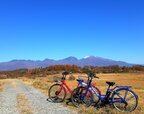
(88, 60)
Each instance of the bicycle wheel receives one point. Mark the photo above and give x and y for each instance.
(78, 93)
(96, 93)
(125, 100)
(57, 93)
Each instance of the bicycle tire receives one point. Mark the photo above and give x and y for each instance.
(54, 93)
(76, 97)
(96, 93)
(122, 106)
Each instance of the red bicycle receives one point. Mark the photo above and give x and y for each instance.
(57, 92)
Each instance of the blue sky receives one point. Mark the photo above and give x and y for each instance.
(39, 29)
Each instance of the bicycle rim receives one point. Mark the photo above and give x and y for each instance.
(57, 93)
(125, 100)
(77, 100)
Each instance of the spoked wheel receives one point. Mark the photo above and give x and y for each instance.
(96, 95)
(57, 93)
(125, 100)
(79, 97)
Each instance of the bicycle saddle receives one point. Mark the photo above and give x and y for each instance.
(65, 73)
(79, 80)
(110, 83)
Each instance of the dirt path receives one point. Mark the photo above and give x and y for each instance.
(36, 100)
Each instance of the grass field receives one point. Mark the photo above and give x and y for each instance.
(136, 80)
(2, 82)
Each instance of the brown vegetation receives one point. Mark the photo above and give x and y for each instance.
(22, 104)
(2, 83)
(43, 78)
(43, 72)
(136, 80)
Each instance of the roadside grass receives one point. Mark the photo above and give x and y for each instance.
(136, 80)
(2, 83)
(23, 105)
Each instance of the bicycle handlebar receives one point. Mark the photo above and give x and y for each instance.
(92, 75)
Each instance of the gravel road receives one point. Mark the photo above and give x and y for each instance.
(36, 100)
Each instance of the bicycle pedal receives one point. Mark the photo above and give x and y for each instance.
(67, 103)
(69, 99)
(49, 100)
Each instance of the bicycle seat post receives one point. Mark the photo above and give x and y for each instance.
(90, 77)
(108, 92)
(108, 88)
(64, 75)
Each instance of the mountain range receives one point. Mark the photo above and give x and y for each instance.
(89, 60)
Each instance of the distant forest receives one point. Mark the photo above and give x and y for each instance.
(42, 72)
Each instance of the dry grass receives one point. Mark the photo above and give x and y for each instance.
(22, 104)
(42, 84)
(2, 83)
(136, 80)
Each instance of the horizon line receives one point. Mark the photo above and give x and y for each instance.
(68, 57)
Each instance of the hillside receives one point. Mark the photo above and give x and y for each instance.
(30, 64)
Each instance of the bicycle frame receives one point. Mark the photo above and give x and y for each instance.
(88, 86)
(109, 91)
(63, 84)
